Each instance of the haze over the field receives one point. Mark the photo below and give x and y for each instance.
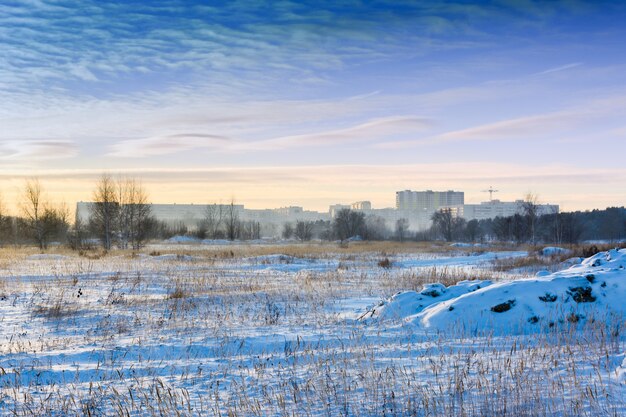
(313, 103)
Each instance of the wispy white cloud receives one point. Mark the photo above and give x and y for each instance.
(513, 128)
(561, 68)
(369, 131)
(168, 144)
(37, 150)
(551, 126)
(366, 132)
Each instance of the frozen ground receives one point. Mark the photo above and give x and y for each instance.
(238, 332)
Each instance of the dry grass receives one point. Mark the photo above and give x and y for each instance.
(318, 249)
(142, 309)
(415, 279)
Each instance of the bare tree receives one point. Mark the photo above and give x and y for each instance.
(104, 210)
(135, 213)
(33, 211)
(251, 229)
(572, 227)
(349, 223)
(56, 221)
(447, 224)
(120, 213)
(42, 221)
(213, 219)
(442, 223)
(287, 232)
(530, 209)
(375, 228)
(303, 230)
(472, 231)
(402, 227)
(232, 222)
(4, 222)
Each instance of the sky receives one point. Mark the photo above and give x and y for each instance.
(312, 103)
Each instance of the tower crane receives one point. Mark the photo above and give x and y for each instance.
(490, 191)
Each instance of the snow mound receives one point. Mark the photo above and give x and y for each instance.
(553, 250)
(593, 290)
(570, 262)
(182, 239)
(408, 303)
(461, 245)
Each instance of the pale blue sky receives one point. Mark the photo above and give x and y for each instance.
(278, 103)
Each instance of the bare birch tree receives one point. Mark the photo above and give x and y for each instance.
(33, 210)
(41, 219)
(134, 213)
(104, 210)
(232, 222)
(303, 230)
(213, 219)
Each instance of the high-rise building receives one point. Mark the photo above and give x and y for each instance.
(428, 201)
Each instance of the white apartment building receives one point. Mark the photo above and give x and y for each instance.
(190, 215)
(496, 208)
(362, 205)
(428, 201)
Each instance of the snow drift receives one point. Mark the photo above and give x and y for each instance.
(593, 291)
(407, 303)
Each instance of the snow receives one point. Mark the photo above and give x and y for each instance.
(217, 242)
(182, 239)
(570, 262)
(593, 290)
(621, 371)
(288, 264)
(458, 260)
(278, 334)
(408, 303)
(553, 250)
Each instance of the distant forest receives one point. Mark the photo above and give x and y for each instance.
(560, 228)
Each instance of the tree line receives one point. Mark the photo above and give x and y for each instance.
(525, 227)
(120, 216)
(554, 228)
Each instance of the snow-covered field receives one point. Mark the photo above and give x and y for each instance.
(237, 331)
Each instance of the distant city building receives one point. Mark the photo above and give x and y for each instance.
(336, 208)
(417, 207)
(289, 211)
(362, 205)
(171, 214)
(190, 215)
(428, 201)
(496, 208)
